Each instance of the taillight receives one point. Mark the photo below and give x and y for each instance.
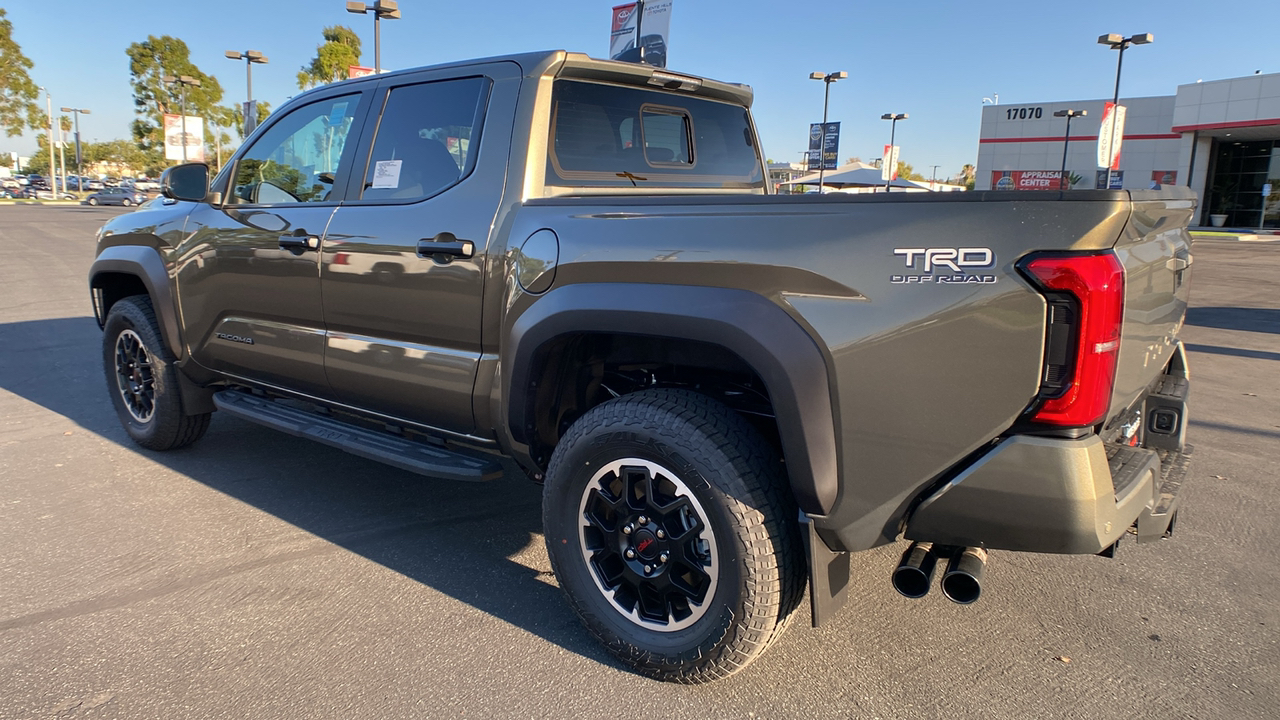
(1094, 285)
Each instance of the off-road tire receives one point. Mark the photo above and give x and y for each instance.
(738, 480)
(167, 427)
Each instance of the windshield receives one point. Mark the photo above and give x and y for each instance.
(611, 135)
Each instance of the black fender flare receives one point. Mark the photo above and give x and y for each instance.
(144, 263)
(754, 328)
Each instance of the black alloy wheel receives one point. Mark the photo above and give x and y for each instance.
(134, 377)
(649, 544)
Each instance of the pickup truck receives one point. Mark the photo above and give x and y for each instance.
(577, 264)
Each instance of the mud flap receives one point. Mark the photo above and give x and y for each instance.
(828, 574)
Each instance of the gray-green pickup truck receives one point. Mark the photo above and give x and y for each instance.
(577, 264)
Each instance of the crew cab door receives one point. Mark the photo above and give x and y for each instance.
(249, 278)
(403, 266)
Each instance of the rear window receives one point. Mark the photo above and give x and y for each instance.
(615, 136)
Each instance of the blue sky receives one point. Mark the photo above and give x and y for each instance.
(934, 60)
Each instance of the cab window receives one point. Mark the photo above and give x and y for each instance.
(426, 139)
(298, 159)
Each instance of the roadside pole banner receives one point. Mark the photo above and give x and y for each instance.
(358, 71)
(889, 163)
(815, 146)
(655, 31)
(173, 139)
(1112, 115)
(831, 146)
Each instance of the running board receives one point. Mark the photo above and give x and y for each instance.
(416, 457)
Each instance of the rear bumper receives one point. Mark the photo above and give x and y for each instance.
(1050, 495)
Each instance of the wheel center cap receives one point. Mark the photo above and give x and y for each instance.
(646, 544)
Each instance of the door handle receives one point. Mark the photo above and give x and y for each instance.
(444, 247)
(300, 242)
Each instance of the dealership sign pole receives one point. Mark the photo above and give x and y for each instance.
(1116, 42)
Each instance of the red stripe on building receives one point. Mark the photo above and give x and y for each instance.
(1081, 138)
(1227, 125)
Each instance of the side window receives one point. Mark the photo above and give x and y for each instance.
(424, 142)
(299, 157)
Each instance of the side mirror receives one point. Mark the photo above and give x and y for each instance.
(189, 181)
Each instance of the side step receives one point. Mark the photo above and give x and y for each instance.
(1157, 521)
(384, 447)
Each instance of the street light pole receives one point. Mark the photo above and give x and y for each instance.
(184, 81)
(893, 119)
(933, 180)
(1066, 140)
(1118, 42)
(76, 113)
(827, 79)
(53, 170)
(381, 9)
(250, 109)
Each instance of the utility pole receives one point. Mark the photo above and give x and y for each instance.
(76, 113)
(53, 170)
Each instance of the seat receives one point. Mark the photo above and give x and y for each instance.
(426, 167)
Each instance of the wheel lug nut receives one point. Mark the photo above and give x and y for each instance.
(663, 558)
(626, 529)
(648, 569)
(642, 520)
(631, 554)
(661, 535)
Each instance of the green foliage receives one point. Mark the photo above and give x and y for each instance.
(236, 116)
(6, 160)
(149, 62)
(18, 95)
(340, 50)
(906, 172)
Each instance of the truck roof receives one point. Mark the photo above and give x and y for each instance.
(561, 63)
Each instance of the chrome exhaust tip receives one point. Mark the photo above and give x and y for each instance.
(914, 574)
(962, 582)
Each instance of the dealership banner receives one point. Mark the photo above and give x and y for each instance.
(1026, 180)
(1108, 150)
(815, 146)
(1164, 177)
(174, 139)
(655, 31)
(1117, 180)
(824, 147)
(889, 163)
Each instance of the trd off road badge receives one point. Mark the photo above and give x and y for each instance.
(946, 266)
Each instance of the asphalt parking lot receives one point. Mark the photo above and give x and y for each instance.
(255, 575)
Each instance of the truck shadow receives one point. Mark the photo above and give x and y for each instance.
(1263, 320)
(479, 543)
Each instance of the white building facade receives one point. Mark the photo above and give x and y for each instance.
(1220, 138)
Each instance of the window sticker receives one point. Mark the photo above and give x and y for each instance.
(337, 114)
(386, 174)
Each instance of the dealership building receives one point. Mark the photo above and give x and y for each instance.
(1220, 138)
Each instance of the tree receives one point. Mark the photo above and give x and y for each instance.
(906, 172)
(852, 160)
(18, 95)
(149, 62)
(236, 117)
(340, 50)
(966, 177)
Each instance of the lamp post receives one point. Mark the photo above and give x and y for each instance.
(250, 109)
(893, 119)
(381, 9)
(76, 113)
(185, 81)
(827, 79)
(933, 180)
(1118, 42)
(53, 171)
(1066, 139)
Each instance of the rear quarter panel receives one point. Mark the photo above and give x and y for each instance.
(922, 373)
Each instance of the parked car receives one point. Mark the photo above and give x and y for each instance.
(116, 196)
(95, 185)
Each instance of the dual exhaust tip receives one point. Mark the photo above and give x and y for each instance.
(961, 582)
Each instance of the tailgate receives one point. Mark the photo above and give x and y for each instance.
(1155, 249)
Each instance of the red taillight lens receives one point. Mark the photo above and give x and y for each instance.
(1097, 284)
